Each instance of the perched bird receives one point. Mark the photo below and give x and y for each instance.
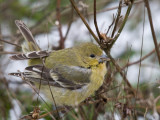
(73, 73)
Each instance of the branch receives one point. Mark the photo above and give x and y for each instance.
(117, 20)
(113, 8)
(152, 29)
(143, 58)
(6, 52)
(123, 24)
(58, 16)
(95, 21)
(119, 69)
(84, 21)
(69, 25)
(10, 43)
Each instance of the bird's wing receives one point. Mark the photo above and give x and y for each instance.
(76, 74)
(63, 77)
(30, 55)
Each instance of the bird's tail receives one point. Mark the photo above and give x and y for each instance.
(30, 44)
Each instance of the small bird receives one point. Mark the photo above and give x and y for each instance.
(73, 73)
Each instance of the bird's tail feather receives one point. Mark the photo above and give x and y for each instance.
(31, 43)
(30, 55)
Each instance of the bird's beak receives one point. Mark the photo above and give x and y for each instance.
(103, 58)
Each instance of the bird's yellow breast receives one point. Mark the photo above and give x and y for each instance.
(74, 97)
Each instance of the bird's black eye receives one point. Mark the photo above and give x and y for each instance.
(92, 55)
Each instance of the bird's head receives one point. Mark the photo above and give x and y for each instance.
(91, 54)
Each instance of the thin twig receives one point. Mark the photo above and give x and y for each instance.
(40, 80)
(152, 29)
(35, 90)
(46, 114)
(141, 54)
(52, 93)
(84, 21)
(117, 19)
(6, 52)
(123, 24)
(10, 43)
(156, 99)
(113, 8)
(95, 21)
(69, 25)
(143, 58)
(58, 15)
(110, 25)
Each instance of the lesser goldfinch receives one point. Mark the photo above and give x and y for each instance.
(73, 73)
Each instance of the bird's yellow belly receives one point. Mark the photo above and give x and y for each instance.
(74, 97)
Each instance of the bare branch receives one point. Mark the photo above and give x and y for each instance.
(58, 15)
(143, 58)
(84, 21)
(152, 29)
(6, 52)
(95, 21)
(117, 18)
(119, 69)
(123, 24)
(69, 25)
(10, 43)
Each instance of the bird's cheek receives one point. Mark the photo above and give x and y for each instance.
(94, 62)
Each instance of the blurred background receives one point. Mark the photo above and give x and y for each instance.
(55, 25)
